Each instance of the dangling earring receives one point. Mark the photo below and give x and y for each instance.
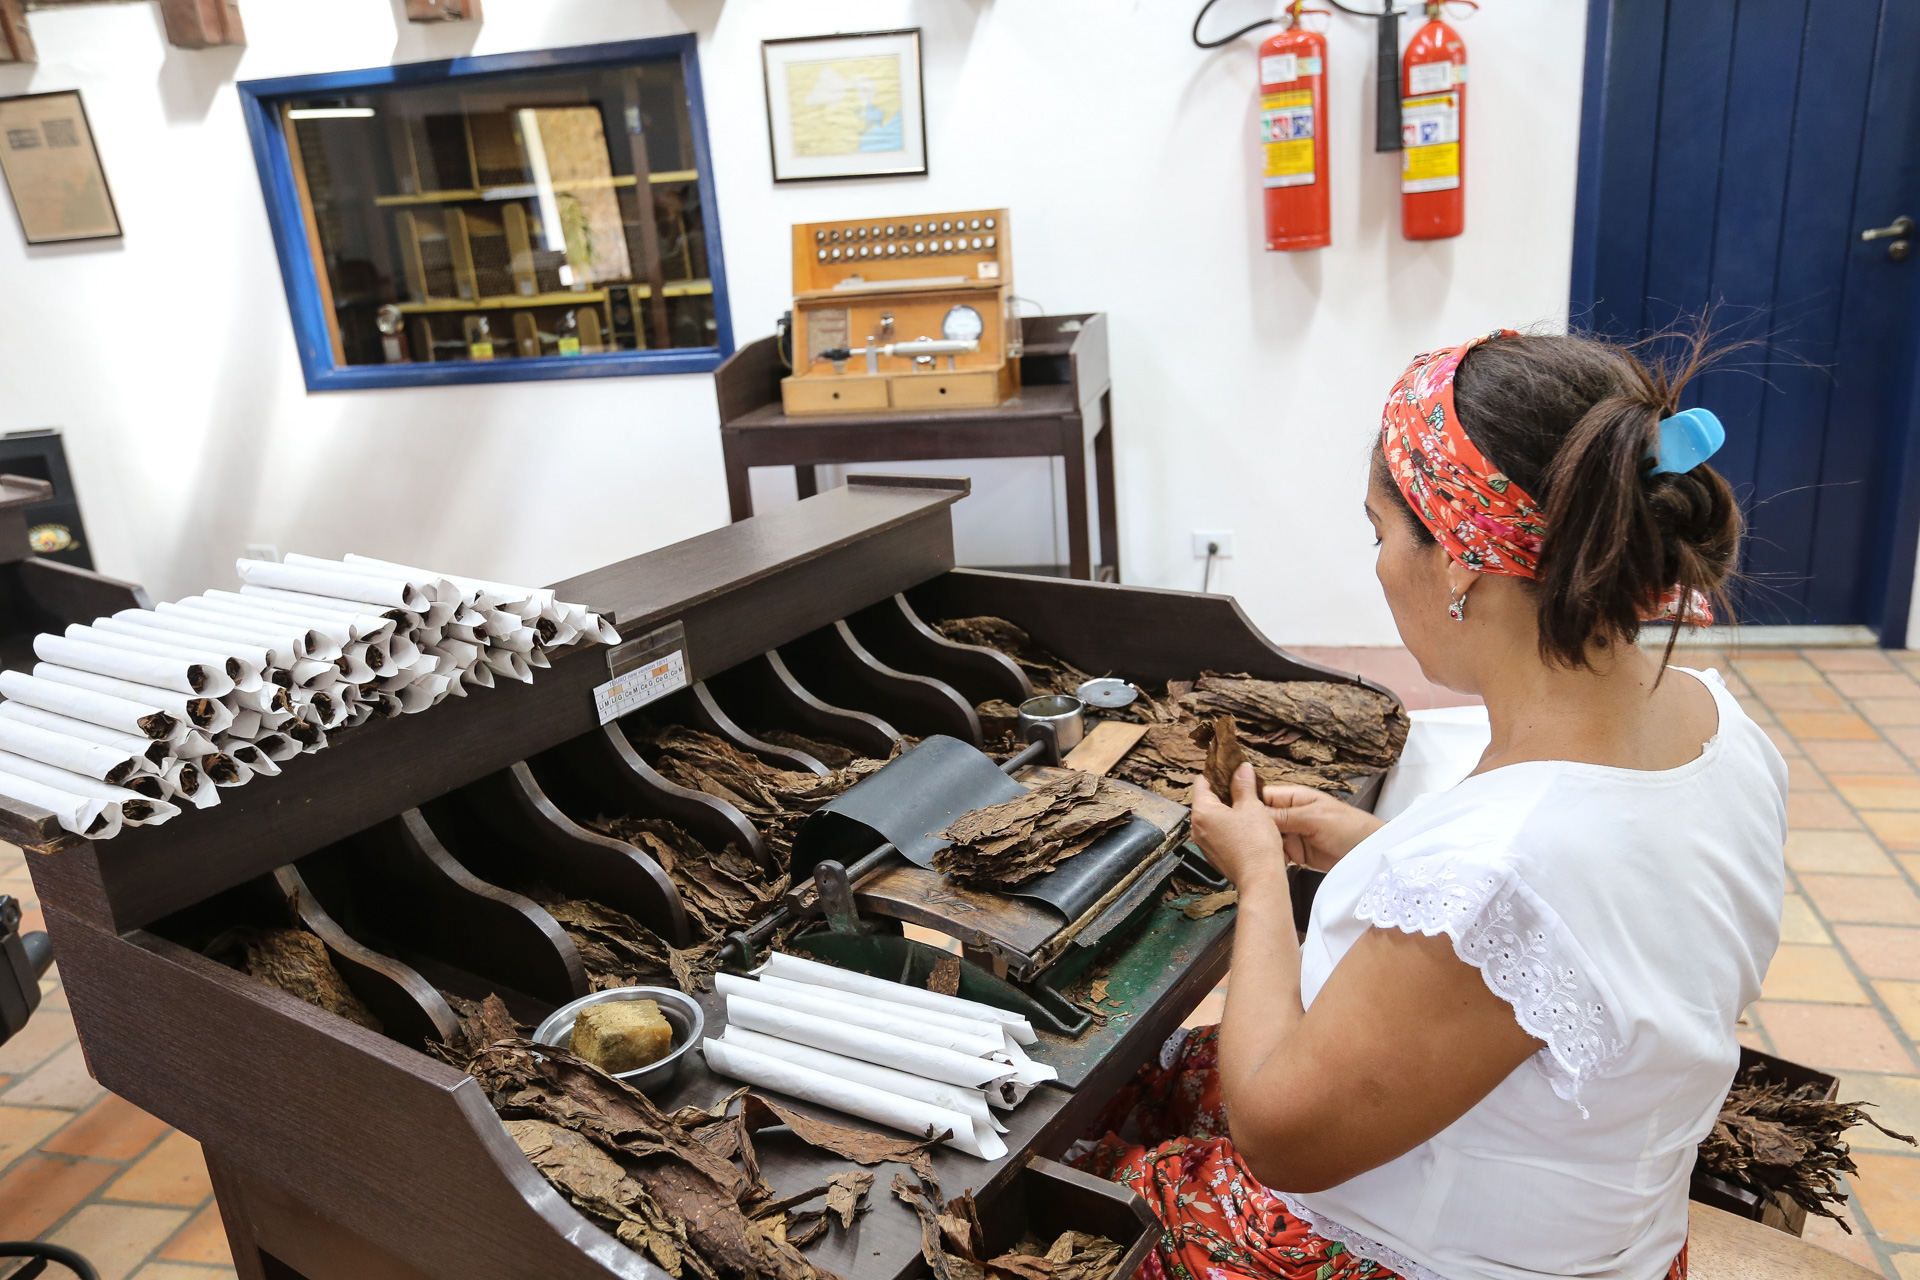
(1458, 609)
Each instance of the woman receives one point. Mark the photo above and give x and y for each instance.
(1512, 1017)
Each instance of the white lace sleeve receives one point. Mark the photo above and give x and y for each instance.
(1520, 946)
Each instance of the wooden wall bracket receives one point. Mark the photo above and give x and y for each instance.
(202, 24)
(16, 43)
(443, 10)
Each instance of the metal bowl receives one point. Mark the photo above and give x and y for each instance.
(1066, 713)
(682, 1012)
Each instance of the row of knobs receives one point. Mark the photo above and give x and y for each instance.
(908, 250)
(902, 229)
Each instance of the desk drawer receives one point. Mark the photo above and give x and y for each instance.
(832, 394)
(946, 390)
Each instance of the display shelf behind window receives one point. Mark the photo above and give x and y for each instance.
(486, 219)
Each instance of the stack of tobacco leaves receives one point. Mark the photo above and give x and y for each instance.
(776, 801)
(1312, 722)
(1787, 1139)
(619, 951)
(1047, 673)
(1166, 758)
(666, 1185)
(296, 962)
(721, 891)
(830, 754)
(1008, 844)
(954, 1244)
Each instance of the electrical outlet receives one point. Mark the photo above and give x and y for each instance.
(1221, 538)
(263, 551)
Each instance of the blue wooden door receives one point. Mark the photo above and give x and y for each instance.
(1732, 153)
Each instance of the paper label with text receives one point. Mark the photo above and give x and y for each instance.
(649, 683)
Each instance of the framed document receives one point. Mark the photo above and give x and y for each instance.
(52, 169)
(845, 106)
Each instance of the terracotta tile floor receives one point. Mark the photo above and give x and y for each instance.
(88, 1170)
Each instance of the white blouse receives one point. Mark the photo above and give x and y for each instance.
(1628, 917)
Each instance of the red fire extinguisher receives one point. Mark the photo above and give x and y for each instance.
(1433, 131)
(1293, 136)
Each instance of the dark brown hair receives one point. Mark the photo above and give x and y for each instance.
(1573, 421)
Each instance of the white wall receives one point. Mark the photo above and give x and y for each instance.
(1246, 384)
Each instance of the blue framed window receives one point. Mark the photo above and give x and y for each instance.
(496, 219)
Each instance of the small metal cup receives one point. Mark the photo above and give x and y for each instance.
(683, 1012)
(1066, 713)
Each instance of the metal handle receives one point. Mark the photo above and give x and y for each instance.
(1900, 228)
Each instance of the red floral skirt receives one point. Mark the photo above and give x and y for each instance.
(1219, 1222)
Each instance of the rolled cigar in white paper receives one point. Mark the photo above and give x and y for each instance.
(353, 664)
(136, 807)
(244, 674)
(154, 751)
(205, 679)
(798, 969)
(227, 770)
(520, 642)
(342, 584)
(975, 1039)
(1026, 1070)
(186, 786)
(148, 630)
(432, 585)
(192, 745)
(402, 619)
(921, 1119)
(463, 653)
(536, 657)
(480, 676)
(305, 641)
(986, 1030)
(76, 755)
(210, 714)
(343, 625)
(246, 724)
(866, 1044)
(282, 650)
(277, 746)
(90, 816)
(970, 1103)
(460, 631)
(251, 756)
(142, 718)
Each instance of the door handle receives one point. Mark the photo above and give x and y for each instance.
(1902, 227)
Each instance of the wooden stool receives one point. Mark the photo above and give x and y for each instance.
(1721, 1246)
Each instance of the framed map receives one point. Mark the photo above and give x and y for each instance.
(52, 169)
(846, 106)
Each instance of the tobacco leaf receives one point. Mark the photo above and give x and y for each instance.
(296, 962)
(844, 1193)
(721, 891)
(482, 1023)
(1201, 908)
(997, 718)
(1165, 760)
(618, 951)
(804, 1229)
(1225, 755)
(1312, 721)
(597, 1184)
(1778, 1138)
(952, 1240)
(831, 754)
(945, 978)
(858, 1145)
(1046, 672)
(1008, 844)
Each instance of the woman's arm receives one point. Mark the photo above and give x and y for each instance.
(1404, 1038)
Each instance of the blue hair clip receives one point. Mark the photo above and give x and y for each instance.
(1687, 439)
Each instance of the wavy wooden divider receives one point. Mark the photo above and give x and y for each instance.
(601, 774)
(835, 665)
(763, 692)
(895, 634)
(698, 707)
(505, 829)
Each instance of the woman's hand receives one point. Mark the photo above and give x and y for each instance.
(1318, 830)
(1242, 841)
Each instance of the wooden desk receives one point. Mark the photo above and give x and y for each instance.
(1065, 382)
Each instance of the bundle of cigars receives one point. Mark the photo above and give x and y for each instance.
(128, 720)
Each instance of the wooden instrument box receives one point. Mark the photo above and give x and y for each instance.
(876, 282)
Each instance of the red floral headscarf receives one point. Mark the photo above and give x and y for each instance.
(1483, 519)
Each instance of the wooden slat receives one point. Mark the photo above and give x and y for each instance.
(1103, 746)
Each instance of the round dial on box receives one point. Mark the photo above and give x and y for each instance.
(963, 324)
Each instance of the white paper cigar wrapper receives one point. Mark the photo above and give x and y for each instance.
(85, 704)
(342, 583)
(991, 1032)
(304, 641)
(139, 668)
(88, 816)
(244, 674)
(281, 648)
(921, 1119)
(154, 751)
(340, 625)
(813, 973)
(970, 1103)
(822, 1004)
(130, 802)
(867, 1045)
(175, 704)
(76, 755)
(179, 775)
(150, 633)
(312, 639)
